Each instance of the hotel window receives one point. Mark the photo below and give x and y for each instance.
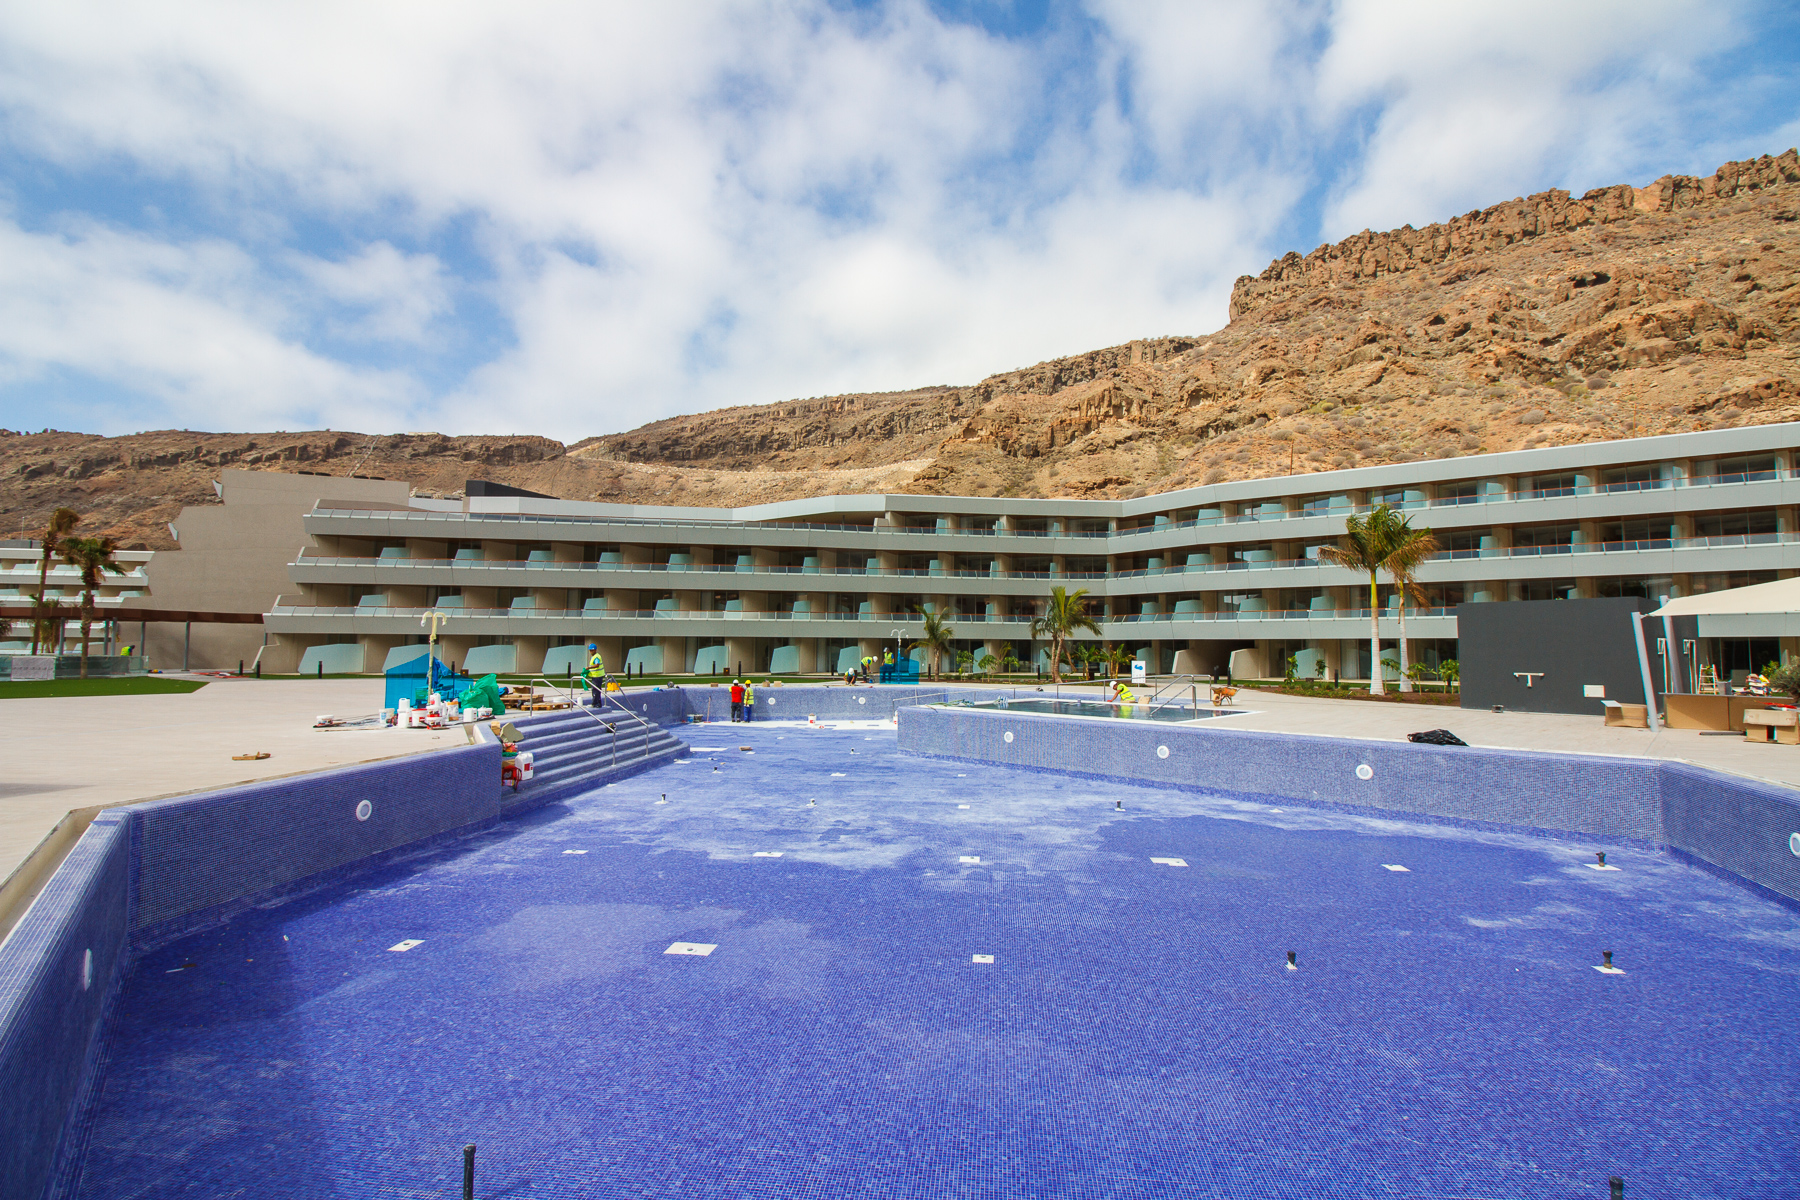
(1749, 522)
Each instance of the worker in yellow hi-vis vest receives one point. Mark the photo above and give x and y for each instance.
(596, 672)
(1124, 697)
(749, 699)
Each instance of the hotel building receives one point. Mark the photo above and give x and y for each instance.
(1185, 580)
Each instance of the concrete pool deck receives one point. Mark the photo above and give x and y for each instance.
(79, 752)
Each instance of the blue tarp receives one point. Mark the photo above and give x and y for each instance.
(408, 679)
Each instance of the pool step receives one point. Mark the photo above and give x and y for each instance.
(572, 749)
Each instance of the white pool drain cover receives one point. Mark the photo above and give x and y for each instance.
(1365, 771)
(364, 810)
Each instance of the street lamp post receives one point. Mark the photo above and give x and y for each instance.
(897, 637)
(432, 620)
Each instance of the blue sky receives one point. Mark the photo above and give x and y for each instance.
(570, 219)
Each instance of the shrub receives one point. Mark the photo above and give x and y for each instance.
(1786, 680)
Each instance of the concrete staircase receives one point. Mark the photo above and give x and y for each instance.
(573, 750)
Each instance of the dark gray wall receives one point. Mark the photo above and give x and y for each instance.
(1573, 642)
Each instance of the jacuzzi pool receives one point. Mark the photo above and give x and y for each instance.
(1105, 710)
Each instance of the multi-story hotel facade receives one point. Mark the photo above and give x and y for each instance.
(20, 561)
(1183, 579)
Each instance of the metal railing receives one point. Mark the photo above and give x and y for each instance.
(1635, 546)
(1283, 514)
(593, 615)
(610, 727)
(1173, 683)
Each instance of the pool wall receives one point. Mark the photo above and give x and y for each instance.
(143, 875)
(53, 996)
(1732, 824)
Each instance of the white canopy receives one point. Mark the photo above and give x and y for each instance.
(1782, 596)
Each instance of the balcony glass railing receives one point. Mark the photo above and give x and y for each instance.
(591, 617)
(1261, 517)
(1287, 564)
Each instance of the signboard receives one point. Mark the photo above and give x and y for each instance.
(33, 666)
(1140, 670)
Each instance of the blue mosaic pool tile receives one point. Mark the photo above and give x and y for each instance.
(1619, 797)
(1137, 1034)
(203, 858)
(59, 969)
(198, 855)
(1744, 826)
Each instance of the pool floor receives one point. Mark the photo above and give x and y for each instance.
(1137, 1033)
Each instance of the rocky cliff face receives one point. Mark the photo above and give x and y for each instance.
(1546, 320)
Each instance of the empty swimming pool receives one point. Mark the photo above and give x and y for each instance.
(897, 977)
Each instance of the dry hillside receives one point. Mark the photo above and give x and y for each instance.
(1546, 320)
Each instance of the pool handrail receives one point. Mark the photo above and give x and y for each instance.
(590, 712)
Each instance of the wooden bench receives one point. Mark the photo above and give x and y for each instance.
(1772, 725)
(1627, 716)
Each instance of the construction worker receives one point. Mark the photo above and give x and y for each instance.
(737, 701)
(887, 666)
(595, 674)
(1123, 695)
(749, 699)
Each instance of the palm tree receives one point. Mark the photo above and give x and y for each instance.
(1368, 543)
(1115, 657)
(92, 557)
(1411, 547)
(62, 523)
(47, 621)
(935, 640)
(1063, 615)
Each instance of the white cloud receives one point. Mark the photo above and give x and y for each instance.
(389, 295)
(642, 209)
(1476, 103)
(189, 326)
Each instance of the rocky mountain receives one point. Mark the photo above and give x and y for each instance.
(1545, 320)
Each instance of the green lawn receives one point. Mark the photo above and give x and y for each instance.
(140, 685)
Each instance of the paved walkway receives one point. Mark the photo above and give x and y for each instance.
(1558, 732)
(81, 751)
(1516, 730)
